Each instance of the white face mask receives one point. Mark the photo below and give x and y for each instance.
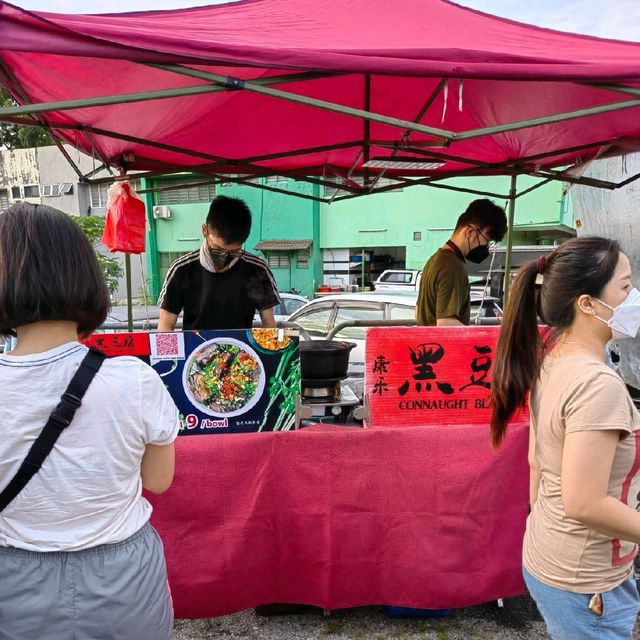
(625, 321)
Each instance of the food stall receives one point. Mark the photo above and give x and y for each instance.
(416, 509)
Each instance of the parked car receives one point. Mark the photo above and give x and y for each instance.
(118, 316)
(398, 280)
(487, 307)
(320, 316)
(291, 302)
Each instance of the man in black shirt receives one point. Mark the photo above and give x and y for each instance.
(219, 286)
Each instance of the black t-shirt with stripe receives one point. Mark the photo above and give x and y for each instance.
(225, 300)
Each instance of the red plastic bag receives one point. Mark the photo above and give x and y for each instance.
(126, 225)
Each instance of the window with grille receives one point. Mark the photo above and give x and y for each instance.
(167, 258)
(99, 196)
(276, 179)
(303, 260)
(4, 199)
(99, 192)
(278, 260)
(15, 193)
(185, 194)
(50, 190)
(31, 191)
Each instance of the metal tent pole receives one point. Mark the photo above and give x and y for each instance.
(249, 85)
(127, 271)
(507, 257)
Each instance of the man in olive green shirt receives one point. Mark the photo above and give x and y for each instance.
(444, 298)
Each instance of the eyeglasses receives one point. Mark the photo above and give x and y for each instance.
(490, 243)
(226, 254)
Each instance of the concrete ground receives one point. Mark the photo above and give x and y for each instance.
(518, 620)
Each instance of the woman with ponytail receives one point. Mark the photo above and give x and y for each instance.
(584, 446)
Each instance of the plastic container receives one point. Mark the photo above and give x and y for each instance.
(281, 346)
(410, 612)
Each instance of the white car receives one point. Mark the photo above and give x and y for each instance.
(291, 302)
(398, 280)
(320, 316)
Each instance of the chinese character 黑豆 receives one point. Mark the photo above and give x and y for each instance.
(480, 369)
(423, 359)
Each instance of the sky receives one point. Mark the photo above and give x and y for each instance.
(605, 18)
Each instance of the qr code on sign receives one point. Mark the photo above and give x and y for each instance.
(167, 344)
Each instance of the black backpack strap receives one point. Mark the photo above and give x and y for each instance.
(59, 420)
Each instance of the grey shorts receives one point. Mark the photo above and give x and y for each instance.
(111, 592)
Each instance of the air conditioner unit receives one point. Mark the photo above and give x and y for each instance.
(161, 212)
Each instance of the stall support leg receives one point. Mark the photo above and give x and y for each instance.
(507, 257)
(127, 271)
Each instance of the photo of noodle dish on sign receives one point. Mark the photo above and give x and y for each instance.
(223, 377)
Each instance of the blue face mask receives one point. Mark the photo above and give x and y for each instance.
(625, 320)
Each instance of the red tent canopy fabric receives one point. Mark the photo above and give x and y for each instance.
(448, 67)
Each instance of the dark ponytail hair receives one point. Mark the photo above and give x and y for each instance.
(577, 267)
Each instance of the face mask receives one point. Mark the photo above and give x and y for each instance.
(216, 260)
(479, 254)
(222, 259)
(625, 321)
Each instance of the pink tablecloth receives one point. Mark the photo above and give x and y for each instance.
(340, 517)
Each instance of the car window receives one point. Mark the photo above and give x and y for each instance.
(398, 277)
(315, 319)
(362, 311)
(478, 311)
(489, 309)
(292, 304)
(402, 312)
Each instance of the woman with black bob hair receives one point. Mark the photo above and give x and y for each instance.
(78, 557)
(584, 441)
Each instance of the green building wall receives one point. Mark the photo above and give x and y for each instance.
(275, 216)
(391, 219)
(376, 221)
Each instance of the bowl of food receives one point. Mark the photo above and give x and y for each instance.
(270, 340)
(223, 378)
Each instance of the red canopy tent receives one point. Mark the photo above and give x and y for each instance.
(340, 91)
(325, 91)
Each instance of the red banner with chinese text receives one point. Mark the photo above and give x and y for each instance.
(121, 344)
(416, 376)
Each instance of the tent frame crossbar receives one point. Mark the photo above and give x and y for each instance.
(264, 86)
